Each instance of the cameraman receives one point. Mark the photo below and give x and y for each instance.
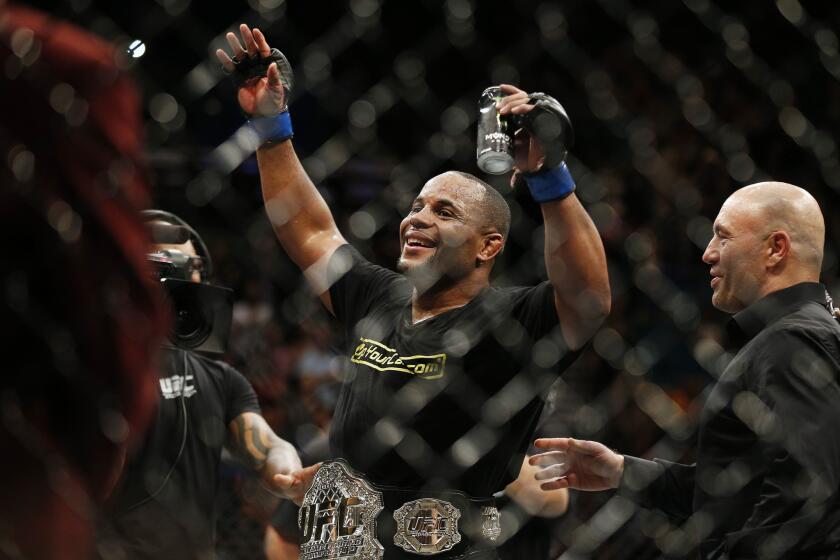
(164, 506)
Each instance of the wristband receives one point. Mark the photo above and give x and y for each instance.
(272, 130)
(553, 184)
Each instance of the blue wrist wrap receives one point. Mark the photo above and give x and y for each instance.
(553, 184)
(274, 129)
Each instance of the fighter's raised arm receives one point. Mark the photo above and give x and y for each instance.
(299, 215)
(574, 254)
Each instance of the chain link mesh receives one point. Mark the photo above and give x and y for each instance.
(674, 106)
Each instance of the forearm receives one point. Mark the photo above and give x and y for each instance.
(299, 215)
(256, 443)
(577, 268)
(281, 456)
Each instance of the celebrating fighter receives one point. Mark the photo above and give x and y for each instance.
(446, 373)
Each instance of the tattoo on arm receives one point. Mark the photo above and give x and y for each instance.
(253, 438)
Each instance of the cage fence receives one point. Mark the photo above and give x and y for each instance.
(674, 106)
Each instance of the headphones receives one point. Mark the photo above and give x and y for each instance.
(200, 247)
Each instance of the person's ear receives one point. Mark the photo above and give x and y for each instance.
(491, 245)
(778, 248)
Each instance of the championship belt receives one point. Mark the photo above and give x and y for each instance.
(338, 519)
(427, 526)
(338, 516)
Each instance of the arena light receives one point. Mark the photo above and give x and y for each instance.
(137, 48)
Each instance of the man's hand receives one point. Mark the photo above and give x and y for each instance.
(294, 485)
(527, 152)
(528, 494)
(578, 464)
(262, 96)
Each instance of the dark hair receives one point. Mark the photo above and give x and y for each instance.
(494, 208)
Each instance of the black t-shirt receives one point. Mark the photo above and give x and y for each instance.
(156, 517)
(449, 402)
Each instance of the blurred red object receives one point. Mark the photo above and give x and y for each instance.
(82, 320)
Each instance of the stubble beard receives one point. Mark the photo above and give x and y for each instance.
(423, 275)
(726, 301)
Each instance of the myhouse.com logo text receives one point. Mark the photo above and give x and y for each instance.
(381, 358)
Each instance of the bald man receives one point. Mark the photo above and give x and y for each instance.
(766, 480)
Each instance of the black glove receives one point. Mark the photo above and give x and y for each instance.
(249, 68)
(550, 125)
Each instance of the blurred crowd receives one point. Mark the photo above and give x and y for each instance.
(674, 107)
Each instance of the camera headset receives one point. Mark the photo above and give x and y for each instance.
(173, 230)
(203, 311)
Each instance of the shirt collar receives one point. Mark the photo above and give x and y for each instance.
(747, 323)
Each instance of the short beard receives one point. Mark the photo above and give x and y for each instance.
(422, 275)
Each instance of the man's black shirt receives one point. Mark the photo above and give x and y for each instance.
(153, 516)
(768, 459)
(448, 402)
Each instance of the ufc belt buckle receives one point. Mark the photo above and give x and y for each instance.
(427, 526)
(338, 516)
(491, 523)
